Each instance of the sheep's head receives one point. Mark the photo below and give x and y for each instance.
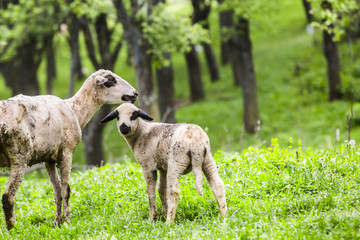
(127, 116)
(114, 89)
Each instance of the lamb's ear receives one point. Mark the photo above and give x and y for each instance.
(112, 115)
(142, 114)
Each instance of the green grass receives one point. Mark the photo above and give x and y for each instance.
(290, 105)
(296, 191)
(275, 193)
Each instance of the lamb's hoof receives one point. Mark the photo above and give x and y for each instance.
(10, 225)
(66, 219)
(169, 223)
(152, 219)
(58, 221)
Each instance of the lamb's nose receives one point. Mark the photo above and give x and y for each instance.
(136, 93)
(124, 129)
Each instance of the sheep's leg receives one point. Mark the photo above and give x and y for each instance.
(151, 177)
(65, 170)
(51, 169)
(173, 178)
(162, 191)
(216, 184)
(16, 176)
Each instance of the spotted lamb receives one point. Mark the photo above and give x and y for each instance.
(174, 150)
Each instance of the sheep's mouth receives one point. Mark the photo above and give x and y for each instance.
(129, 98)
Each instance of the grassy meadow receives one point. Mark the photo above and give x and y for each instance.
(293, 180)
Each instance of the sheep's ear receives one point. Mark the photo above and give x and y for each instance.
(112, 115)
(108, 81)
(141, 114)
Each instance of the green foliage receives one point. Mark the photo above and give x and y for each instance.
(27, 21)
(281, 192)
(337, 20)
(171, 31)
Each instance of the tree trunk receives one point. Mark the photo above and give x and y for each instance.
(73, 41)
(194, 72)
(50, 66)
(145, 84)
(242, 43)
(332, 58)
(226, 24)
(211, 62)
(93, 131)
(201, 14)
(165, 82)
(307, 8)
(142, 61)
(236, 66)
(20, 72)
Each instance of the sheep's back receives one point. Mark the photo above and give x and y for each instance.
(46, 122)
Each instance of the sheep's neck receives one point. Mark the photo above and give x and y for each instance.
(84, 104)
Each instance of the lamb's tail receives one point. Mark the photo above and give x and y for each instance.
(196, 162)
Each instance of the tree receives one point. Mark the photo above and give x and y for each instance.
(201, 14)
(27, 29)
(139, 45)
(308, 13)
(242, 60)
(165, 83)
(332, 57)
(245, 71)
(333, 18)
(169, 32)
(107, 35)
(226, 24)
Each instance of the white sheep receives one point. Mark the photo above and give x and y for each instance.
(173, 149)
(47, 129)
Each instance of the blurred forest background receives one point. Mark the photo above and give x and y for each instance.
(246, 71)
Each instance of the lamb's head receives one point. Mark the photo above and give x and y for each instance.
(127, 116)
(112, 88)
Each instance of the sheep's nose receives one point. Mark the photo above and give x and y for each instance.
(124, 129)
(136, 93)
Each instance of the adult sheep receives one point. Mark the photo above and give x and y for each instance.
(47, 129)
(174, 150)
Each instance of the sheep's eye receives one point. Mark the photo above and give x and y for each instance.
(111, 81)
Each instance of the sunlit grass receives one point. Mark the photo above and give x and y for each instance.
(281, 192)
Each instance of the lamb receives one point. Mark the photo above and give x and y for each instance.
(174, 150)
(47, 129)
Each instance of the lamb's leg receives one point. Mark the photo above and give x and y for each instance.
(151, 177)
(216, 184)
(175, 170)
(65, 170)
(162, 191)
(17, 172)
(51, 169)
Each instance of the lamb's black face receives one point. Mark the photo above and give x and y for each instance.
(124, 129)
